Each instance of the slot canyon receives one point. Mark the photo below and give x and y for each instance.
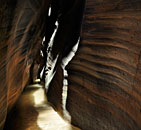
(70, 64)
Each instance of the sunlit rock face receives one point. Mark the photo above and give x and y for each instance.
(67, 35)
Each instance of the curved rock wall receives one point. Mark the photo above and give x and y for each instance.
(6, 16)
(105, 75)
(21, 27)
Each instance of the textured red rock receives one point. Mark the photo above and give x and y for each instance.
(21, 27)
(104, 77)
(105, 74)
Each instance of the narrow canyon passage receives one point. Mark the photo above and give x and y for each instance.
(32, 112)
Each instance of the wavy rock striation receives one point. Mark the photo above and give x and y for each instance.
(21, 27)
(105, 75)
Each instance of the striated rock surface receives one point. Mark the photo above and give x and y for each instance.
(105, 75)
(21, 27)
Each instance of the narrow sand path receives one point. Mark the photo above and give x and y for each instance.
(32, 112)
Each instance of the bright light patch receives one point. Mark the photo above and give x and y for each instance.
(49, 12)
(48, 119)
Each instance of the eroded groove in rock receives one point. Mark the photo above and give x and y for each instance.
(105, 73)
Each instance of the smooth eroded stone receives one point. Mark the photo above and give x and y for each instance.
(104, 77)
